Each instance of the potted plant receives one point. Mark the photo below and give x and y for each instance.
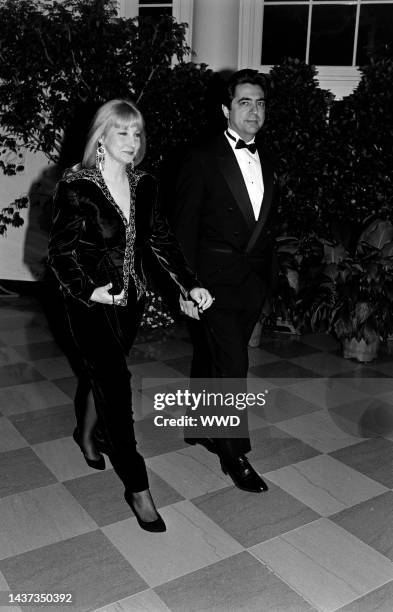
(354, 298)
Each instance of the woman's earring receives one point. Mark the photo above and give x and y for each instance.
(100, 156)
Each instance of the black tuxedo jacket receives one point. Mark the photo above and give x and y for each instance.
(232, 254)
(91, 244)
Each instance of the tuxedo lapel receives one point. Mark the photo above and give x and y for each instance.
(266, 201)
(231, 171)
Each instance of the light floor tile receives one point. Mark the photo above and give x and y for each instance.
(39, 517)
(10, 438)
(325, 564)
(64, 459)
(54, 367)
(325, 484)
(380, 600)
(32, 396)
(191, 541)
(147, 601)
(192, 471)
(326, 393)
(318, 430)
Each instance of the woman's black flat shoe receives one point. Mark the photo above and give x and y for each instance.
(156, 526)
(96, 464)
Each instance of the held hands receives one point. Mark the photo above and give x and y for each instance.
(200, 301)
(102, 295)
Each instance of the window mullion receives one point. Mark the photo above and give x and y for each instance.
(309, 31)
(355, 42)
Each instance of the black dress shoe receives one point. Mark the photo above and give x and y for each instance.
(97, 464)
(156, 526)
(243, 474)
(208, 443)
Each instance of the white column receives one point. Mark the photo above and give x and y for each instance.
(215, 33)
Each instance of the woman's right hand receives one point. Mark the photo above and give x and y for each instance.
(102, 295)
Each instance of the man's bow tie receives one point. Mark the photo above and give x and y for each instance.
(252, 147)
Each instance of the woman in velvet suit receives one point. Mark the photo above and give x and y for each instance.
(106, 214)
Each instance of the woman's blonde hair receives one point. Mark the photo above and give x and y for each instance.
(119, 113)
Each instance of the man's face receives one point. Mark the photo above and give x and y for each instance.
(247, 112)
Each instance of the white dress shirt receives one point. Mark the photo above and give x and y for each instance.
(250, 166)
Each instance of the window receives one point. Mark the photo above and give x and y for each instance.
(181, 10)
(155, 9)
(325, 32)
(334, 35)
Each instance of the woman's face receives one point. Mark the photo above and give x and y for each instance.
(122, 143)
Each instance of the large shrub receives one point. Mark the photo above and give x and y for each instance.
(296, 131)
(361, 141)
(60, 59)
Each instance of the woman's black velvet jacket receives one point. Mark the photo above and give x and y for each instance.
(92, 244)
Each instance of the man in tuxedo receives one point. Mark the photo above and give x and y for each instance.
(223, 218)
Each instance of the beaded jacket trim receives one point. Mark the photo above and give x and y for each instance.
(95, 176)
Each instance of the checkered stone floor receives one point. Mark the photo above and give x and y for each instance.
(320, 539)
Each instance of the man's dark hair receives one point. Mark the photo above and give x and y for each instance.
(252, 77)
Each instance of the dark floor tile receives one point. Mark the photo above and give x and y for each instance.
(46, 424)
(18, 374)
(239, 583)
(252, 518)
(101, 495)
(371, 521)
(281, 405)
(273, 449)
(282, 369)
(374, 458)
(39, 350)
(153, 440)
(67, 385)
(137, 356)
(369, 418)
(88, 566)
(361, 374)
(181, 364)
(287, 348)
(21, 470)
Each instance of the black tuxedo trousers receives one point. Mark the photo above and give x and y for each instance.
(220, 341)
